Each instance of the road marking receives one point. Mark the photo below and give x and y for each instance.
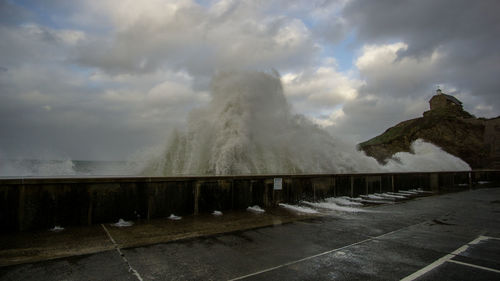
(320, 254)
(448, 258)
(476, 266)
(479, 239)
(130, 268)
(428, 268)
(109, 235)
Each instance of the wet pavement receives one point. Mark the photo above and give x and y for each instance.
(445, 237)
(24, 247)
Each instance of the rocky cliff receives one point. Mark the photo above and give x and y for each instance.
(474, 140)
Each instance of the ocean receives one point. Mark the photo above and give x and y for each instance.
(67, 168)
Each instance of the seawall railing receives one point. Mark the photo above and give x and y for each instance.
(35, 203)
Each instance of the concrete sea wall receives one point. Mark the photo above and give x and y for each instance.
(37, 203)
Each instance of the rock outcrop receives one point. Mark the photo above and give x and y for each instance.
(447, 125)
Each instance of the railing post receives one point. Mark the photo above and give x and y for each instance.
(352, 186)
(196, 196)
(366, 185)
(334, 182)
(20, 210)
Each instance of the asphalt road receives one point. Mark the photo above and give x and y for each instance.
(454, 236)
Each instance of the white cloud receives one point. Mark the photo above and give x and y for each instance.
(387, 74)
(393, 90)
(330, 120)
(374, 56)
(231, 34)
(317, 91)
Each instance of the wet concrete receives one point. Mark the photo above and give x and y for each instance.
(43, 245)
(388, 243)
(33, 246)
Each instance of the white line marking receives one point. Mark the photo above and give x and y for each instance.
(493, 238)
(448, 258)
(320, 254)
(109, 235)
(460, 250)
(297, 261)
(428, 268)
(130, 268)
(476, 266)
(479, 239)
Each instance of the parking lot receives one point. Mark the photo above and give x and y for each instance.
(442, 237)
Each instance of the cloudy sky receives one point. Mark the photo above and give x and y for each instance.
(98, 80)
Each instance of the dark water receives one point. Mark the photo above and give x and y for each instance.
(71, 168)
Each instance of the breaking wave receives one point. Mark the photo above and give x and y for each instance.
(248, 128)
(42, 168)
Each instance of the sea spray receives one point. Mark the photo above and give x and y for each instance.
(32, 168)
(248, 128)
(425, 157)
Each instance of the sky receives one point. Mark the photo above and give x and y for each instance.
(101, 80)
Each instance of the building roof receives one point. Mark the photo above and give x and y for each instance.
(452, 99)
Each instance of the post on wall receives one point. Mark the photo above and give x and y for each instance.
(380, 184)
(20, 212)
(352, 186)
(366, 185)
(334, 185)
(434, 181)
(197, 192)
(151, 196)
(90, 208)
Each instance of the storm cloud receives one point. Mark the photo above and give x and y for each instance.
(102, 79)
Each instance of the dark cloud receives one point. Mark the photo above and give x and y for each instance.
(100, 79)
(465, 33)
(427, 24)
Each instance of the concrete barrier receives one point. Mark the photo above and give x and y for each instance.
(35, 203)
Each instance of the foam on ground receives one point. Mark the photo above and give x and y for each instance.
(298, 209)
(256, 209)
(342, 201)
(333, 207)
(123, 223)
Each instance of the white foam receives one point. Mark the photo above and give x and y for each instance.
(393, 196)
(408, 192)
(256, 209)
(425, 157)
(123, 223)
(31, 168)
(343, 201)
(333, 207)
(372, 196)
(217, 213)
(57, 228)
(298, 209)
(174, 217)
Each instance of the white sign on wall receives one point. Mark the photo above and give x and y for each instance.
(278, 183)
